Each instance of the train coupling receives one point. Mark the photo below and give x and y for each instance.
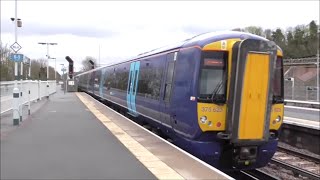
(244, 156)
(224, 135)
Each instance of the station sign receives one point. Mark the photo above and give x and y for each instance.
(15, 47)
(16, 57)
(71, 83)
(26, 60)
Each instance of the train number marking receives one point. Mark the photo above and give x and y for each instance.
(210, 109)
(277, 110)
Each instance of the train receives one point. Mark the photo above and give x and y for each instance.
(217, 95)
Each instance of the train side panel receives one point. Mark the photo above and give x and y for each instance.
(116, 80)
(184, 94)
(148, 87)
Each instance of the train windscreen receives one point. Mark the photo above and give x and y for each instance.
(278, 82)
(212, 81)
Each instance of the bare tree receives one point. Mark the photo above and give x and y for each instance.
(86, 65)
(254, 30)
(7, 66)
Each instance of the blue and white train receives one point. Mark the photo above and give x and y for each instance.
(218, 95)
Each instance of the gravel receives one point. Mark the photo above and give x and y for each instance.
(303, 151)
(283, 173)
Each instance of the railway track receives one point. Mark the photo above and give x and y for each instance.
(296, 170)
(294, 152)
(255, 174)
(299, 163)
(258, 174)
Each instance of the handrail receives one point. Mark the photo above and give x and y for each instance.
(302, 102)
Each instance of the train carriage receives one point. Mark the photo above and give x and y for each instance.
(218, 95)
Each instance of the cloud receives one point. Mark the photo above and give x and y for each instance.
(196, 30)
(125, 29)
(29, 29)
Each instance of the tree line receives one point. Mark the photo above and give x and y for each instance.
(298, 42)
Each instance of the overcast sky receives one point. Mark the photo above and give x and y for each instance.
(125, 29)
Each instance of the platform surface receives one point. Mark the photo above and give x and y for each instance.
(73, 136)
(62, 140)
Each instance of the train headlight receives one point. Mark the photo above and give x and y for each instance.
(278, 119)
(203, 119)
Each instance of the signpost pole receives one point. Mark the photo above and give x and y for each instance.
(15, 89)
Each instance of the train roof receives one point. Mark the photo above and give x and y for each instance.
(203, 39)
(198, 40)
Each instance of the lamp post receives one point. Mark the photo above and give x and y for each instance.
(64, 83)
(55, 68)
(42, 43)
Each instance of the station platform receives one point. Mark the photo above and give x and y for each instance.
(73, 136)
(302, 122)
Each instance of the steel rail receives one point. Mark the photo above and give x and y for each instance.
(259, 174)
(299, 154)
(295, 169)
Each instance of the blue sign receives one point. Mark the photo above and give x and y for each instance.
(16, 57)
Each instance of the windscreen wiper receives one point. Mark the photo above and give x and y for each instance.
(216, 90)
(277, 99)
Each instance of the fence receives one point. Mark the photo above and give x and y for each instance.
(38, 90)
(301, 83)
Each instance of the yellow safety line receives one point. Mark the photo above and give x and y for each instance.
(150, 161)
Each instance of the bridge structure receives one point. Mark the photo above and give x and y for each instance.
(301, 77)
(309, 61)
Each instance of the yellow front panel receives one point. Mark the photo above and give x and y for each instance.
(216, 116)
(254, 97)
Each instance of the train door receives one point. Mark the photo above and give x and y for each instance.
(101, 83)
(165, 100)
(250, 95)
(133, 87)
(96, 82)
(91, 82)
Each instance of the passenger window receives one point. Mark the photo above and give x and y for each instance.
(170, 72)
(169, 76)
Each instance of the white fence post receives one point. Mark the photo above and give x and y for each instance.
(39, 92)
(29, 94)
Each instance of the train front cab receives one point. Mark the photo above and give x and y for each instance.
(246, 108)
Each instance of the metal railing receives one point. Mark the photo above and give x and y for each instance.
(310, 104)
(37, 91)
(301, 61)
